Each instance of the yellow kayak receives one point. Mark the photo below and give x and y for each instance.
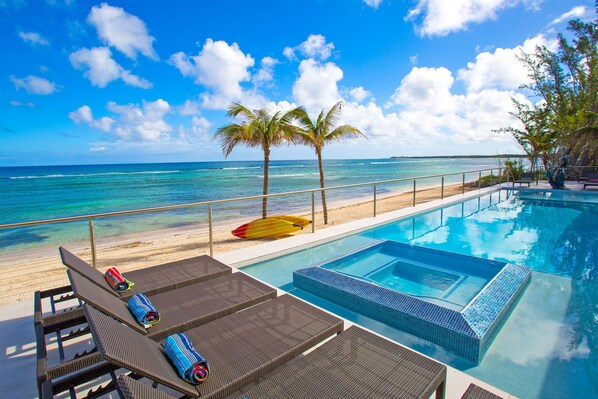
(271, 227)
(293, 219)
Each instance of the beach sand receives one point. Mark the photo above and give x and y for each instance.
(24, 272)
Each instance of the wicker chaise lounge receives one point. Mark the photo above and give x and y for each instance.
(180, 309)
(590, 184)
(151, 280)
(240, 347)
(355, 364)
(476, 392)
(525, 178)
(156, 279)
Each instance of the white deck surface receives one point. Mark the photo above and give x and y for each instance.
(17, 340)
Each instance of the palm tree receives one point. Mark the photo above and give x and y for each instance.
(258, 129)
(321, 132)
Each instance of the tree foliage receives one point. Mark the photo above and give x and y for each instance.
(258, 128)
(566, 83)
(317, 134)
(537, 138)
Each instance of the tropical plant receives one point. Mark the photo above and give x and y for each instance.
(317, 134)
(537, 138)
(259, 128)
(567, 82)
(513, 169)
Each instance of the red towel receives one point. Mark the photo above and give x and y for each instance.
(117, 281)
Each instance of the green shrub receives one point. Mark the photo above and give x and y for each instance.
(513, 169)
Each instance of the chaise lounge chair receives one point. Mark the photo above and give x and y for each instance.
(240, 347)
(354, 364)
(525, 178)
(151, 280)
(587, 175)
(476, 392)
(589, 183)
(180, 309)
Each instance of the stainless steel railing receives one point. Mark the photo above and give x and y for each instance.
(209, 204)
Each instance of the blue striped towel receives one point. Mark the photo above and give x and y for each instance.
(143, 310)
(191, 366)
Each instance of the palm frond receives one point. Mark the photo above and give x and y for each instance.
(304, 120)
(237, 109)
(332, 117)
(344, 132)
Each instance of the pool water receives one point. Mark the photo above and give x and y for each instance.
(418, 280)
(549, 235)
(437, 277)
(548, 347)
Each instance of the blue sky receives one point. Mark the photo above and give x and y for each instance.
(129, 81)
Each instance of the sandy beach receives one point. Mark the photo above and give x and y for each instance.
(24, 272)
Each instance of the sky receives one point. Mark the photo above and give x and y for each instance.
(85, 82)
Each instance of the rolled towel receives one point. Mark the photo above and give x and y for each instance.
(117, 281)
(190, 365)
(143, 310)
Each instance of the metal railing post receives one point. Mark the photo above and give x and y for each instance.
(374, 200)
(463, 184)
(413, 192)
(211, 233)
(313, 212)
(499, 175)
(491, 178)
(442, 188)
(92, 241)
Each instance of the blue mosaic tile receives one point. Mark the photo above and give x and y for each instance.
(467, 333)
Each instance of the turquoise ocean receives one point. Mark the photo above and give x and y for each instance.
(46, 192)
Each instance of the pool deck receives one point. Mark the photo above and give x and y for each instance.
(17, 340)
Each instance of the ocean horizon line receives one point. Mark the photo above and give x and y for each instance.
(469, 156)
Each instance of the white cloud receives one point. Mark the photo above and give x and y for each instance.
(219, 67)
(500, 68)
(436, 112)
(34, 85)
(428, 112)
(373, 3)
(426, 89)
(123, 31)
(100, 68)
(33, 38)
(189, 108)
(358, 94)
(413, 60)
(266, 72)
(198, 132)
(316, 87)
(441, 17)
(134, 124)
(81, 115)
(141, 123)
(84, 115)
(575, 12)
(14, 103)
(314, 47)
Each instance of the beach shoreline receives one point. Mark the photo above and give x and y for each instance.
(37, 269)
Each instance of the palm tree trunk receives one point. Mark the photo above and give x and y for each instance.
(324, 209)
(265, 200)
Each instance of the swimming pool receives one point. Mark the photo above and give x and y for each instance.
(548, 346)
(438, 277)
